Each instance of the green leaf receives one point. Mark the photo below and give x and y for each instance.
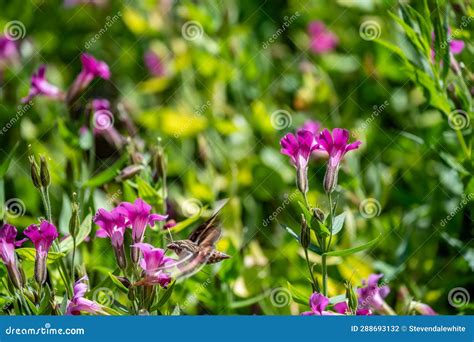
(311, 247)
(321, 229)
(147, 193)
(306, 212)
(338, 223)
(186, 223)
(84, 230)
(353, 250)
(297, 296)
(6, 163)
(106, 175)
(164, 298)
(45, 307)
(29, 254)
(118, 283)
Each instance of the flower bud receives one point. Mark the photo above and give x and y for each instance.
(330, 179)
(159, 163)
(302, 179)
(35, 174)
(128, 172)
(318, 214)
(74, 222)
(44, 172)
(305, 236)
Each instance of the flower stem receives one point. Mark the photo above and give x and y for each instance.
(314, 283)
(324, 274)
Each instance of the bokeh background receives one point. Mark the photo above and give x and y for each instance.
(233, 77)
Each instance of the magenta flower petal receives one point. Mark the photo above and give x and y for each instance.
(299, 147)
(40, 86)
(94, 67)
(7, 243)
(456, 46)
(371, 295)
(321, 39)
(152, 262)
(318, 302)
(80, 304)
(154, 64)
(42, 236)
(112, 225)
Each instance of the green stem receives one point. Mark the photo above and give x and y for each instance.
(463, 143)
(324, 274)
(314, 282)
(73, 256)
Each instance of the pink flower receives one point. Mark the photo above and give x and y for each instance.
(371, 295)
(80, 304)
(343, 309)
(154, 64)
(40, 86)
(91, 68)
(318, 303)
(152, 262)
(42, 237)
(112, 225)
(7, 253)
(322, 40)
(9, 54)
(299, 149)
(138, 216)
(336, 145)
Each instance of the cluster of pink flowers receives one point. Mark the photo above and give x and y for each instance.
(137, 216)
(311, 138)
(370, 299)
